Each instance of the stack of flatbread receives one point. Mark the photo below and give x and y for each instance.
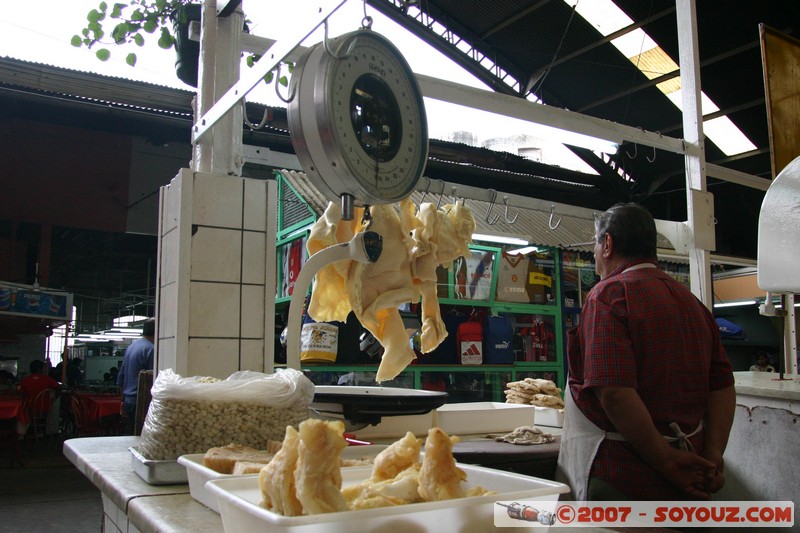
(533, 391)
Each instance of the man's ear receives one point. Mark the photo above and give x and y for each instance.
(608, 245)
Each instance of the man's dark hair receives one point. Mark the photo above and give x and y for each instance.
(36, 366)
(633, 229)
(149, 328)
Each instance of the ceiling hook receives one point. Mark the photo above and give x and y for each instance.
(424, 193)
(552, 214)
(492, 198)
(654, 155)
(264, 117)
(278, 84)
(441, 195)
(455, 197)
(635, 151)
(509, 221)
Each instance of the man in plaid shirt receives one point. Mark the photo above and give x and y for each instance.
(650, 396)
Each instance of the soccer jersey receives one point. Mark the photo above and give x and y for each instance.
(474, 276)
(292, 263)
(539, 284)
(511, 278)
(537, 339)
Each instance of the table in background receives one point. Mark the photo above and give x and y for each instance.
(101, 405)
(10, 406)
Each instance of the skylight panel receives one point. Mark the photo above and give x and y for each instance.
(653, 62)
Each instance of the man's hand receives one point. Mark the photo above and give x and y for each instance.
(688, 471)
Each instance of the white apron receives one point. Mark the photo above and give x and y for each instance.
(581, 438)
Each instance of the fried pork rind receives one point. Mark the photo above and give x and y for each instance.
(397, 477)
(318, 476)
(414, 243)
(276, 480)
(399, 456)
(439, 477)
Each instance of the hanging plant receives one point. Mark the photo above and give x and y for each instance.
(140, 20)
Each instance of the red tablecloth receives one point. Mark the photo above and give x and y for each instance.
(10, 406)
(100, 405)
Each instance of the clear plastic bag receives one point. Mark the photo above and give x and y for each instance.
(193, 414)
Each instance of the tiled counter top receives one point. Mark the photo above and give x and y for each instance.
(130, 504)
(767, 389)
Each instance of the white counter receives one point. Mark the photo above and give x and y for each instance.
(767, 389)
(130, 505)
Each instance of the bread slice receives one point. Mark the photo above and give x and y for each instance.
(224, 458)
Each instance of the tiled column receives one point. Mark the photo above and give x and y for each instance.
(216, 284)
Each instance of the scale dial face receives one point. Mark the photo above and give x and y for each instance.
(358, 120)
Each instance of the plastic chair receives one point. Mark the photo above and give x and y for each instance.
(39, 410)
(83, 427)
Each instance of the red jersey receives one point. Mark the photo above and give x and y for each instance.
(33, 384)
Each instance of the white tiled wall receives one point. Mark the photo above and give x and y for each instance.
(216, 268)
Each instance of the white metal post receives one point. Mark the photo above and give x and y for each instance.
(700, 207)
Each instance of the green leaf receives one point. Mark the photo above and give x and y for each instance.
(103, 7)
(103, 54)
(116, 11)
(137, 15)
(268, 77)
(120, 32)
(166, 40)
(94, 26)
(284, 81)
(131, 59)
(93, 15)
(138, 39)
(150, 25)
(250, 61)
(76, 41)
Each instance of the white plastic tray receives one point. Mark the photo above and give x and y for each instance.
(157, 472)
(549, 416)
(397, 426)
(199, 474)
(239, 499)
(483, 417)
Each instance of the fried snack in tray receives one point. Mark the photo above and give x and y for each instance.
(276, 480)
(294, 483)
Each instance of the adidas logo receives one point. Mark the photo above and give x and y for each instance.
(471, 349)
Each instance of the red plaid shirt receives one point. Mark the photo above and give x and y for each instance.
(642, 329)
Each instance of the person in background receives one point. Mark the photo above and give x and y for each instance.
(762, 364)
(138, 356)
(29, 387)
(7, 384)
(650, 399)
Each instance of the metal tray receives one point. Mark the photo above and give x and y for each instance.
(157, 472)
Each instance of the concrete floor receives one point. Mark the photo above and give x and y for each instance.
(46, 493)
